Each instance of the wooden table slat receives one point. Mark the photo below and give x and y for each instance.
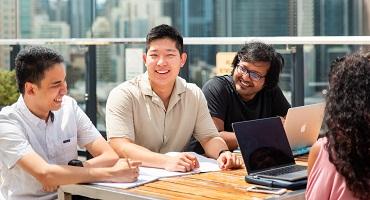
(211, 190)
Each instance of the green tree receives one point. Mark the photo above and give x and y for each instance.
(8, 88)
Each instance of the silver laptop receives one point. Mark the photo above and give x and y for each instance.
(302, 126)
(266, 151)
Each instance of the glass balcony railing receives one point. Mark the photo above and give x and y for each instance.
(96, 65)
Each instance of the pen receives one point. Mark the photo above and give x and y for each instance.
(128, 163)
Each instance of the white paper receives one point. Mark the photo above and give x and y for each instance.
(142, 179)
(162, 173)
(205, 164)
(149, 174)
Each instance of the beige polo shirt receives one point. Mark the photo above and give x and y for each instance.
(136, 112)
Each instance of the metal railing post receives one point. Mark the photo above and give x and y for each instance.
(13, 53)
(90, 94)
(297, 76)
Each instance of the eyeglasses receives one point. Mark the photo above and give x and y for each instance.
(252, 74)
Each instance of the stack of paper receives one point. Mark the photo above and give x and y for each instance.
(148, 174)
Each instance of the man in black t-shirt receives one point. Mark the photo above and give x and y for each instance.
(250, 92)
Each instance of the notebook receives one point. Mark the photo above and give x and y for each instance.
(267, 155)
(302, 126)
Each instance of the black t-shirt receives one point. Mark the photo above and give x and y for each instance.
(225, 103)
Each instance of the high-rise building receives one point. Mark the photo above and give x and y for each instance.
(104, 71)
(26, 13)
(43, 7)
(305, 27)
(80, 17)
(260, 18)
(366, 17)
(130, 18)
(135, 18)
(44, 28)
(305, 17)
(8, 29)
(51, 29)
(194, 19)
(247, 18)
(237, 18)
(335, 18)
(59, 11)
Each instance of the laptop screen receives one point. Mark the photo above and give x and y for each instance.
(263, 144)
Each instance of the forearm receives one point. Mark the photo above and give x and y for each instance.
(62, 175)
(314, 152)
(136, 152)
(230, 139)
(106, 159)
(104, 155)
(214, 146)
(54, 175)
(50, 175)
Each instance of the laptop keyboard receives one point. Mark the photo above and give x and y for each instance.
(284, 170)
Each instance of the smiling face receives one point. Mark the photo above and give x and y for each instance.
(163, 62)
(47, 95)
(245, 86)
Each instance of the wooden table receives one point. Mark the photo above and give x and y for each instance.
(222, 185)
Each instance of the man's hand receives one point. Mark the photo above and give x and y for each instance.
(125, 170)
(228, 160)
(183, 162)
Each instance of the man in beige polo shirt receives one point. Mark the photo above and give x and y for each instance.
(157, 112)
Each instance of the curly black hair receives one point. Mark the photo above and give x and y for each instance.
(261, 52)
(348, 121)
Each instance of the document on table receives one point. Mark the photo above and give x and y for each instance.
(149, 174)
(142, 179)
(205, 164)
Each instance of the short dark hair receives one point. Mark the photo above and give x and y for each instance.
(32, 62)
(348, 121)
(261, 52)
(165, 31)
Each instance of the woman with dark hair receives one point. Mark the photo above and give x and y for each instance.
(339, 164)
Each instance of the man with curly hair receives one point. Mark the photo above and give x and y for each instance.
(339, 164)
(250, 92)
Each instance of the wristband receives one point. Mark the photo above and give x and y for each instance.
(76, 163)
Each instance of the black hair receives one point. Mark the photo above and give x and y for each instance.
(261, 52)
(165, 31)
(32, 62)
(348, 121)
